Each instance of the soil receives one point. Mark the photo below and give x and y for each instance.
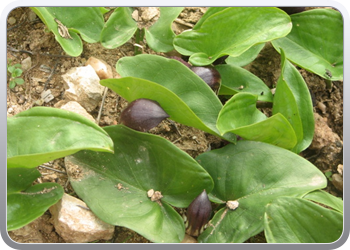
(27, 37)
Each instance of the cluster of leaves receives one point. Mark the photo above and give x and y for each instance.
(14, 74)
(275, 187)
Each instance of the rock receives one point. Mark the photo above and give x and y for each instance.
(337, 181)
(149, 13)
(31, 16)
(340, 169)
(189, 239)
(26, 63)
(76, 224)
(77, 108)
(11, 20)
(102, 69)
(83, 86)
(327, 145)
(323, 136)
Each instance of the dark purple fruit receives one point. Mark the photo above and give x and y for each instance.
(292, 10)
(142, 115)
(198, 214)
(208, 74)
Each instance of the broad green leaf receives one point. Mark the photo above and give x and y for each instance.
(292, 99)
(232, 31)
(115, 186)
(87, 21)
(177, 87)
(131, 88)
(160, 36)
(253, 173)
(119, 28)
(17, 72)
(295, 220)
(316, 42)
(25, 203)
(235, 79)
(240, 116)
(325, 198)
(19, 81)
(246, 57)
(210, 11)
(42, 134)
(19, 179)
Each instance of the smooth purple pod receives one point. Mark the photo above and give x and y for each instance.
(198, 214)
(208, 74)
(142, 115)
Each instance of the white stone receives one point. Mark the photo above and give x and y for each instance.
(26, 63)
(76, 224)
(102, 69)
(83, 86)
(77, 108)
(149, 13)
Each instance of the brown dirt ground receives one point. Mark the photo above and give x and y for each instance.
(28, 37)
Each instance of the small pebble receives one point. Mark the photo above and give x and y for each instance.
(11, 20)
(337, 181)
(322, 107)
(26, 63)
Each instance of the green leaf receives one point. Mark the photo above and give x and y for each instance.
(253, 173)
(232, 31)
(19, 81)
(87, 21)
(160, 36)
(240, 116)
(246, 57)
(325, 198)
(235, 79)
(115, 186)
(25, 203)
(12, 84)
(210, 11)
(17, 72)
(178, 90)
(119, 28)
(19, 179)
(292, 99)
(295, 220)
(42, 134)
(316, 42)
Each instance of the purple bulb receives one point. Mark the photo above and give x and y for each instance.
(142, 115)
(198, 214)
(210, 75)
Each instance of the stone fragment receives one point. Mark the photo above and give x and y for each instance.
(82, 85)
(102, 69)
(76, 224)
(77, 108)
(337, 181)
(149, 13)
(189, 239)
(323, 136)
(11, 20)
(26, 63)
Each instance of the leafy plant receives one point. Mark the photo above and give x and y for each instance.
(15, 72)
(117, 30)
(242, 172)
(49, 134)
(315, 42)
(141, 162)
